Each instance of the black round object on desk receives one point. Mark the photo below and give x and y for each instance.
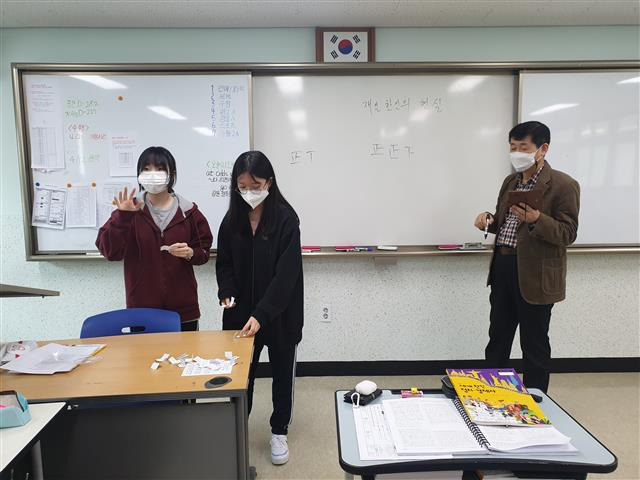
(216, 382)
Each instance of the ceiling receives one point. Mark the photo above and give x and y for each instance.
(308, 13)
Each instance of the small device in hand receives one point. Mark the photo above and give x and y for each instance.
(533, 198)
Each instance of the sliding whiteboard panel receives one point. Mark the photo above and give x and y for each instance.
(396, 159)
(594, 120)
(86, 132)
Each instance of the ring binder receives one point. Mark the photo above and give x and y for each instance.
(479, 436)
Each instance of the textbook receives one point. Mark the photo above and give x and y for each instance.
(496, 396)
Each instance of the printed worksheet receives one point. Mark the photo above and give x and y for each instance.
(49, 206)
(81, 206)
(45, 120)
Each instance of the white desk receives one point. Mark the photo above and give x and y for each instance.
(592, 457)
(14, 440)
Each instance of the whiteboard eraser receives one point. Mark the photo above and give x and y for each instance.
(387, 247)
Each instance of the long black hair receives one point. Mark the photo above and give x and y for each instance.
(257, 165)
(161, 158)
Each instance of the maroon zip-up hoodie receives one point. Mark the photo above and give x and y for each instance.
(154, 278)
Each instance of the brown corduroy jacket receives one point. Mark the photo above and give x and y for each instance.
(542, 250)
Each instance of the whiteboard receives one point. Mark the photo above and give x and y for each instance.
(594, 120)
(386, 159)
(86, 132)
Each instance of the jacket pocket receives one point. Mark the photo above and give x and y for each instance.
(553, 274)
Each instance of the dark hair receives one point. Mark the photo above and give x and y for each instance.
(160, 157)
(257, 165)
(538, 132)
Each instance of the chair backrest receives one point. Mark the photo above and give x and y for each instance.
(130, 321)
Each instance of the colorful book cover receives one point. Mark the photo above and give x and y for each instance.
(496, 396)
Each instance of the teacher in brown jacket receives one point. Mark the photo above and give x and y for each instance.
(529, 263)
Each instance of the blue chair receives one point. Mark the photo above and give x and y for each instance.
(130, 321)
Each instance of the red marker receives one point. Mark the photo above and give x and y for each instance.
(449, 247)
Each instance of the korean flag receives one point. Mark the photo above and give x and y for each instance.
(345, 47)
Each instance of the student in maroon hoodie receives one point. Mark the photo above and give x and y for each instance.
(160, 236)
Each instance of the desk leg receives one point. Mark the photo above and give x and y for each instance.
(242, 436)
(36, 461)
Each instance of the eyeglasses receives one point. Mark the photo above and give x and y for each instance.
(255, 191)
(243, 191)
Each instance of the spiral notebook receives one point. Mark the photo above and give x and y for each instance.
(436, 425)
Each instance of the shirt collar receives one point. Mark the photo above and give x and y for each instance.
(534, 178)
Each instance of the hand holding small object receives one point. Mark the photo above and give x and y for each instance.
(228, 303)
(525, 213)
(483, 220)
(251, 327)
(181, 250)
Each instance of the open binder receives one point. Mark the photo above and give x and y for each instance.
(436, 425)
(502, 439)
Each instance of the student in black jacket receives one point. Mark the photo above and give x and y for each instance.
(259, 265)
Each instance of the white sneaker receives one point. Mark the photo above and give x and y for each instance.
(279, 449)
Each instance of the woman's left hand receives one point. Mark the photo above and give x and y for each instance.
(250, 328)
(181, 250)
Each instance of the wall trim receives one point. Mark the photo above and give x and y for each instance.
(437, 367)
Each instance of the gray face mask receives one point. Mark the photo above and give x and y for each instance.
(254, 197)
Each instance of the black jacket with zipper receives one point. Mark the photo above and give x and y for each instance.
(263, 272)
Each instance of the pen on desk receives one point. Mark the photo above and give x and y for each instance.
(99, 350)
(397, 391)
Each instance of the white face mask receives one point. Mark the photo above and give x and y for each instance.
(154, 181)
(254, 197)
(522, 160)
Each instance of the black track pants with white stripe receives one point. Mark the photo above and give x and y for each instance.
(283, 367)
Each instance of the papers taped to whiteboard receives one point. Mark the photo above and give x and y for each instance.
(49, 207)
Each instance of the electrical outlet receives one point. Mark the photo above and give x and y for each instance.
(326, 314)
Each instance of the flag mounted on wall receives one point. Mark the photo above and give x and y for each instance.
(334, 45)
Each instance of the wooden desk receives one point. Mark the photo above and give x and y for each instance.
(123, 369)
(134, 422)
